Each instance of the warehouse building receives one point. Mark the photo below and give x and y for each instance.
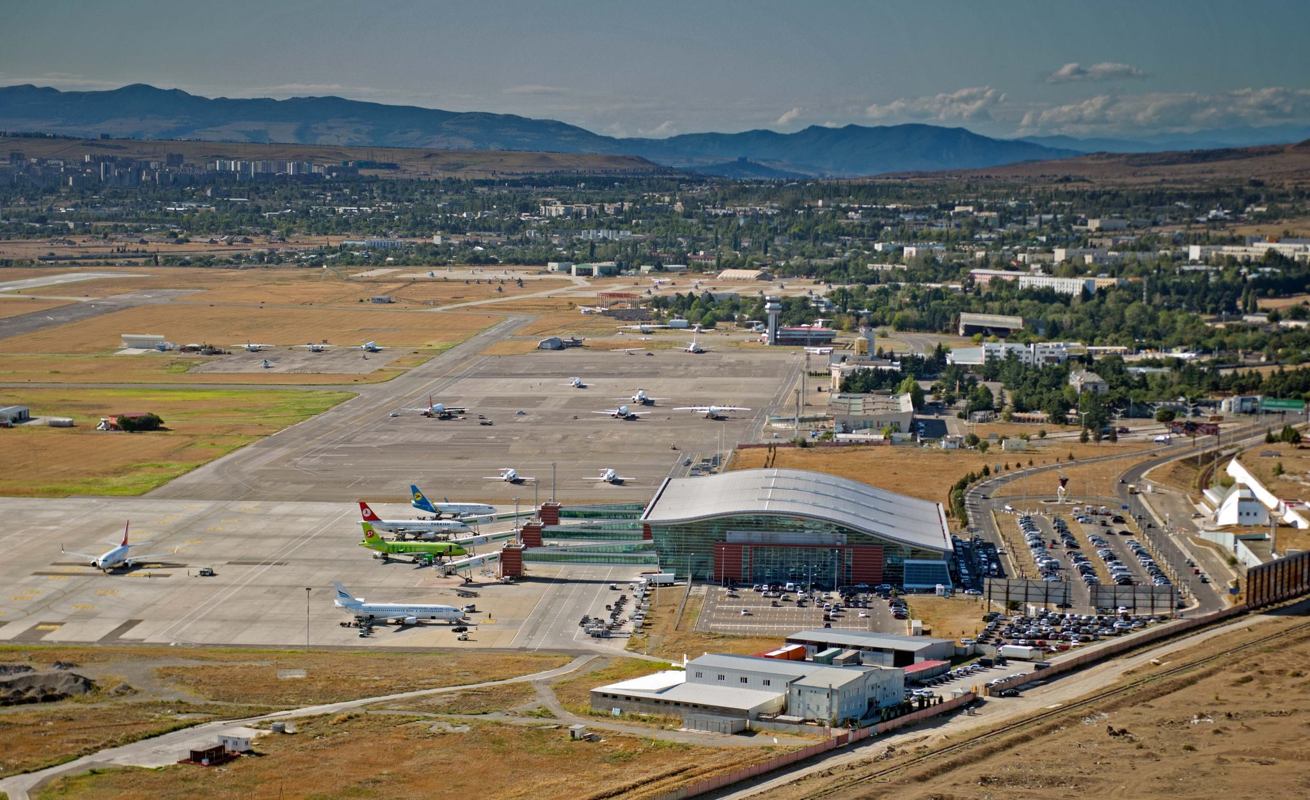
(15, 415)
(883, 649)
(715, 689)
(780, 525)
(989, 324)
(857, 412)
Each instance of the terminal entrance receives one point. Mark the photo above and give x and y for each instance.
(820, 566)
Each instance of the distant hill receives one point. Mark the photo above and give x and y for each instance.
(145, 112)
(745, 169)
(1219, 138)
(1283, 164)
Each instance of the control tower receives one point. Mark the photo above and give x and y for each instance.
(773, 307)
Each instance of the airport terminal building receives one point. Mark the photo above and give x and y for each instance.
(783, 525)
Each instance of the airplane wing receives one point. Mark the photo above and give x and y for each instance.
(148, 558)
(698, 409)
(731, 408)
(87, 556)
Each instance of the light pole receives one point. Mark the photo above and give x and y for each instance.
(307, 591)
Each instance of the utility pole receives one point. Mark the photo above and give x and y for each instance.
(552, 481)
(307, 591)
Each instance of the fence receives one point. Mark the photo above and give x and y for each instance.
(1023, 591)
(795, 756)
(1281, 579)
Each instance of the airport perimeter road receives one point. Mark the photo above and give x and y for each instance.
(260, 471)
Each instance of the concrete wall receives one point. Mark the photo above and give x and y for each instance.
(1241, 474)
(1234, 545)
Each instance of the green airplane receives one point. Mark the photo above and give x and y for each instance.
(388, 547)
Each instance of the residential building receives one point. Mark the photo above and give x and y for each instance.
(1083, 380)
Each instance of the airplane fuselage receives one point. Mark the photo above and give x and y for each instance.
(402, 612)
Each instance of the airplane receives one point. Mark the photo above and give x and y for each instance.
(643, 327)
(712, 412)
(385, 612)
(576, 383)
(411, 527)
(317, 348)
(251, 347)
(509, 475)
(694, 346)
(388, 547)
(609, 475)
(371, 347)
(642, 399)
(266, 364)
(117, 556)
(437, 410)
(623, 412)
(422, 503)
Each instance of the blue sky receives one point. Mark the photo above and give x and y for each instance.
(1108, 68)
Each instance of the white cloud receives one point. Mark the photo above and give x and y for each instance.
(535, 89)
(973, 104)
(665, 128)
(1104, 71)
(1165, 112)
(788, 117)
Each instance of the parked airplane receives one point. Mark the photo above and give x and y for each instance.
(386, 612)
(712, 412)
(642, 399)
(576, 383)
(437, 410)
(623, 412)
(411, 527)
(251, 347)
(694, 346)
(117, 556)
(389, 547)
(371, 347)
(422, 503)
(317, 348)
(609, 475)
(644, 327)
(509, 475)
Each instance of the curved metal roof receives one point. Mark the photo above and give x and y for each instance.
(814, 495)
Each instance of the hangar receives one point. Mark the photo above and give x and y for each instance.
(781, 525)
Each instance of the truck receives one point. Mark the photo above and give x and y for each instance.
(1021, 652)
(659, 578)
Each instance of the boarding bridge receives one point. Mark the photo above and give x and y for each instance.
(468, 562)
(482, 538)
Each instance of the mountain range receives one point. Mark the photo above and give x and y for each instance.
(146, 112)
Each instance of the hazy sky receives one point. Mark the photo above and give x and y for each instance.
(658, 68)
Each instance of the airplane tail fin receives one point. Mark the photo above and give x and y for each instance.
(125, 529)
(343, 596)
(369, 534)
(420, 500)
(366, 512)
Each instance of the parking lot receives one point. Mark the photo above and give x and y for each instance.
(789, 612)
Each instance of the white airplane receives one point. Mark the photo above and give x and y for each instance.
(437, 410)
(252, 347)
(642, 399)
(425, 528)
(386, 612)
(609, 475)
(371, 347)
(623, 412)
(509, 475)
(117, 556)
(643, 327)
(694, 346)
(422, 503)
(712, 412)
(576, 383)
(317, 348)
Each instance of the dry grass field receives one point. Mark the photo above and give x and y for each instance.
(201, 426)
(15, 305)
(1232, 728)
(923, 472)
(418, 756)
(144, 691)
(1294, 461)
(948, 618)
(1098, 479)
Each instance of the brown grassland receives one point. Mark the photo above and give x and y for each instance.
(660, 638)
(398, 756)
(202, 424)
(1097, 479)
(144, 691)
(19, 305)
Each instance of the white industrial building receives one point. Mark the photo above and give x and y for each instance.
(144, 341)
(721, 692)
(1035, 354)
(855, 412)
(1236, 505)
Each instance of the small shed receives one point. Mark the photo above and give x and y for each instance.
(239, 740)
(383, 299)
(15, 415)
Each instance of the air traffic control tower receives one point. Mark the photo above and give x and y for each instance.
(773, 307)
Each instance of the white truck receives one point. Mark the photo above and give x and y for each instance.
(659, 578)
(1021, 652)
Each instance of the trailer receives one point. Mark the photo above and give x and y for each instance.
(1021, 652)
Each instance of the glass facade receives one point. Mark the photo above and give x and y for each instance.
(778, 548)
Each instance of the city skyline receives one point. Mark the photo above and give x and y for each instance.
(1021, 69)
